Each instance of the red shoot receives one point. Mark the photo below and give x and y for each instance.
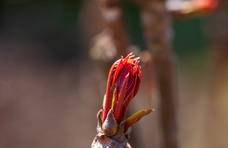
(122, 85)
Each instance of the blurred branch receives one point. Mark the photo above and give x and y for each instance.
(157, 28)
(217, 109)
(113, 17)
(113, 40)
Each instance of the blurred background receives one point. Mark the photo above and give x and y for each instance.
(51, 86)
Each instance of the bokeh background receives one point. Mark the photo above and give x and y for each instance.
(51, 89)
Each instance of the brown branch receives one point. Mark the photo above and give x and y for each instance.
(217, 112)
(113, 40)
(113, 16)
(157, 27)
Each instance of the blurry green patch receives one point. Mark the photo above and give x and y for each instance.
(64, 12)
(133, 23)
(190, 45)
(189, 38)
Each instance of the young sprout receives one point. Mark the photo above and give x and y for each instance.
(122, 85)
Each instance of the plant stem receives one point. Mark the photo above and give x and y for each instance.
(157, 28)
(217, 109)
(113, 16)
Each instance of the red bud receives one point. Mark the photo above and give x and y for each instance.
(122, 85)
